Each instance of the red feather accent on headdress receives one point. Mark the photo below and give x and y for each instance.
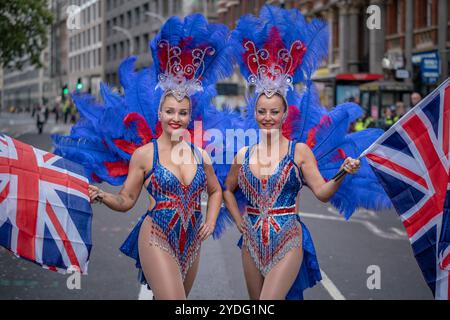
(185, 57)
(274, 45)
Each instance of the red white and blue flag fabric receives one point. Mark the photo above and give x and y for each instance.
(411, 160)
(45, 213)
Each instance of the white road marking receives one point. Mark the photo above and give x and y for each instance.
(330, 287)
(369, 225)
(145, 294)
(399, 232)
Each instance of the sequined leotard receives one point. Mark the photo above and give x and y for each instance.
(272, 226)
(176, 215)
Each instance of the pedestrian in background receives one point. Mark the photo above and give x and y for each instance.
(388, 119)
(66, 110)
(40, 119)
(415, 99)
(400, 110)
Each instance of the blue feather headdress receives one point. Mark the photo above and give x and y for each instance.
(279, 49)
(190, 55)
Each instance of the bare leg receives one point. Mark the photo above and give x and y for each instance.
(281, 277)
(253, 276)
(159, 267)
(190, 275)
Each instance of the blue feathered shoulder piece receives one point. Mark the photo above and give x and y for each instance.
(279, 49)
(108, 132)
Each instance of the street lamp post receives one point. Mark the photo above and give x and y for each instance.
(128, 35)
(157, 16)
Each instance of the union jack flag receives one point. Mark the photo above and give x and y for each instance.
(45, 213)
(411, 160)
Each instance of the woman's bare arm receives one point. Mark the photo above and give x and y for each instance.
(231, 184)
(128, 195)
(214, 198)
(322, 189)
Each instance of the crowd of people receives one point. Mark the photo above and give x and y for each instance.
(391, 115)
(64, 110)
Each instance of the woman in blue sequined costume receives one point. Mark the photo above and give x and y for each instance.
(144, 139)
(298, 143)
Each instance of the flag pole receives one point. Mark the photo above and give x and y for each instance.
(341, 173)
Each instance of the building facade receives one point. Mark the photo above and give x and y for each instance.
(34, 86)
(29, 87)
(85, 32)
(59, 51)
(129, 28)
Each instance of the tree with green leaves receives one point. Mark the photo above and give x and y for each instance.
(24, 28)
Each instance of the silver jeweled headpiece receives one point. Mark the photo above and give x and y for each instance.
(182, 80)
(271, 74)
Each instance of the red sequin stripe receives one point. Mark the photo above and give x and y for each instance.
(273, 211)
(160, 205)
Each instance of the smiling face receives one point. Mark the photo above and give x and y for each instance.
(174, 115)
(269, 112)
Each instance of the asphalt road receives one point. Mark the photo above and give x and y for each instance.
(346, 249)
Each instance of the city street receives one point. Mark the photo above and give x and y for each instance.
(346, 249)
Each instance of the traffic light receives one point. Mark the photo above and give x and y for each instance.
(65, 91)
(79, 84)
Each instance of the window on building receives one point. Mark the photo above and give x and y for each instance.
(94, 11)
(429, 13)
(122, 20)
(137, 44)
(165, 8)
(146, 39)
(144, 10)
(137, 15)
(114, 24)
(129, 19)
(99, 59)
(121, 52)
